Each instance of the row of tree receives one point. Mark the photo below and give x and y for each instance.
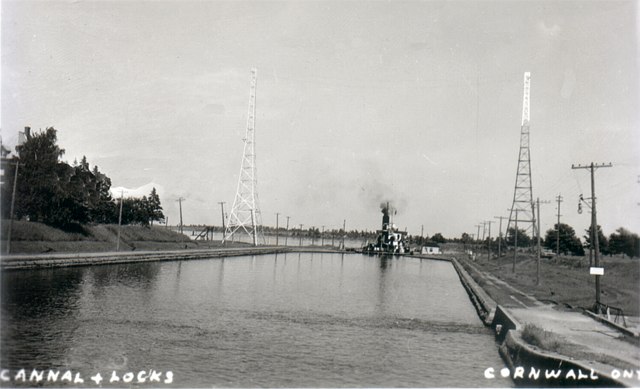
(563, 238)
(622, 241)
(53, 192)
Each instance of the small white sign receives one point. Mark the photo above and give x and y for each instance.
(596, 271)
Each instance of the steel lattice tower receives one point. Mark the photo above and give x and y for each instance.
(245, 213)
(523, 207)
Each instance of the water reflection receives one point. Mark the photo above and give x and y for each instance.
(220, 288)
(275, 267)
(382, 284)
(41, 306)
(341, 278)
(177, 278)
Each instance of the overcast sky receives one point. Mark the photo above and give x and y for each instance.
(418, 103)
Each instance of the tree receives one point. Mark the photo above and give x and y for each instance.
(9, 170)
(438, 238)
(466, 239)
(104, 209)
(417, 239)
(154, 207)
(135, 211)
(142, 215)
(603, 242)
(63, 195)
(143, 211)
(569, 242)
(75, 196)
(47, 188)
(624, 242)
(523, 239)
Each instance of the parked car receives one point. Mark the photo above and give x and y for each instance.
(546, 253)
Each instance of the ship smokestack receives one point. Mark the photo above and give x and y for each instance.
(385, 215)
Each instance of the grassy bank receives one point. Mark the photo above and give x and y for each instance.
(34, 238)
(566, 280)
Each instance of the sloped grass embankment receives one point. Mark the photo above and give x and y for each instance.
(35, 238)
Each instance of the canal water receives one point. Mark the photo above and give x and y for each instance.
(286, 320)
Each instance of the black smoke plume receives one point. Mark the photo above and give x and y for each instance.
(387, 209)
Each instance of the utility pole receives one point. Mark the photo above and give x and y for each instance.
(277, 232)
(473, 237)
(538, 256)
(591, 232)
(484, 230)
(559, 200)
(13, 201)
(422, 235)
(119, 221)
(322, 236)
(594, 223)
(478, 239)
(489, 243)
(224, 228)
(539, 248)
(499, 235)
(180, 199)
(286, 236)
(515, 244)
(301, 234)
(344, 232)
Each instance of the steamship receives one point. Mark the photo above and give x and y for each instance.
(389, 240)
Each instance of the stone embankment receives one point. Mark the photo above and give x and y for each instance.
(576, 350)
(40, 261)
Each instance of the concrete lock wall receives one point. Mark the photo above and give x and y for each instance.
(548, 370)
(503, 323)
(19, 262)
(521, 357)
(484, 304)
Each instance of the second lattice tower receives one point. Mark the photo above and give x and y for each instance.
(522, 210)
(245, 213)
